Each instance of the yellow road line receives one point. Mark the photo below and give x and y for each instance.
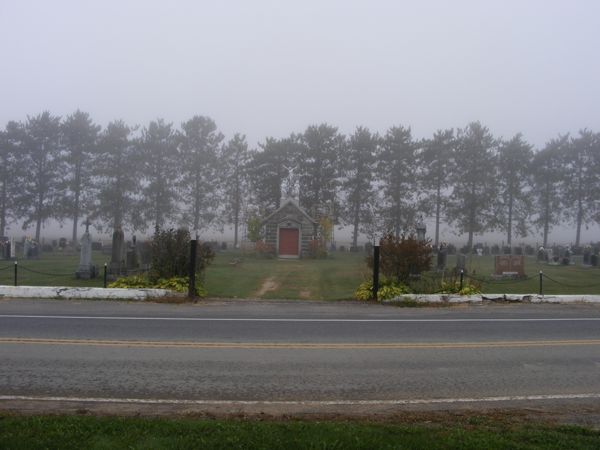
(301, 345)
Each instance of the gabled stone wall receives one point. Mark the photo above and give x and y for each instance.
(290, 216)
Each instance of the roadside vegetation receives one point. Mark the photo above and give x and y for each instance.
(78, 432)
(236, 275)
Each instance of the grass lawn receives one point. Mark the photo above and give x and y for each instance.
(335, 278)
(51, 269)
(73, 432)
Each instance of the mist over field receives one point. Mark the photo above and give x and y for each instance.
(282, 80)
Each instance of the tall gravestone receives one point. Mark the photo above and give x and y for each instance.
(117, 259)
(133, 258)
(441, 258)
(461, 263)
(86, 269)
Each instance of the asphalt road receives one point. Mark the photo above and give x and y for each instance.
(297, 354)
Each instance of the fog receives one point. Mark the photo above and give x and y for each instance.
(270, 68)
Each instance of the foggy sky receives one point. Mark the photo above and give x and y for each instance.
(269, 68)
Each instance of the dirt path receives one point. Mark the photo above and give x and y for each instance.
(268, 285)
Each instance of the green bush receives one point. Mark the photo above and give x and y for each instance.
(132, 282)
(454, 288)
(171, 254)
(177, 284)
(388, 289)
(403, 256)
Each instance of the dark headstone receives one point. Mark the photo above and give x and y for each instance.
(594, 260)
(509, 265)
(117, 259)
(441, 258)
(461, 262)
(586, 257)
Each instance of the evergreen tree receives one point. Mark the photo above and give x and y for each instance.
(234, 163)
(199, 144)
(437, 164)
(318, 159)
(117, 178)
(548, 178)
(159, 167)
(79, 138)
(41, 190)
(581, 183)
(268, 169)
(397, 172)
(514, 182)
(474, 196)
(11, 172)
(359, 168)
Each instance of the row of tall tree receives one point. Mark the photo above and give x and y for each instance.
(145, 177)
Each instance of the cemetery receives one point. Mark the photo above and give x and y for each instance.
(335, 277)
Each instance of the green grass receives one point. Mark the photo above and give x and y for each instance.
(334, 278)
(51, 269)
(73, 432)
(572, 279)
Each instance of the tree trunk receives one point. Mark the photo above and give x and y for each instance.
(355, 226)
(579, 205)
(236, 214)
(546, 217)
(196, 204)
(38, 225)
(3, 210)
(509, 224)
(438, 201)
(76, 204)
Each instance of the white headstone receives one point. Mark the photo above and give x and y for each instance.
(86, 269)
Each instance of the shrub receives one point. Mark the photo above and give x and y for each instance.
(388, 289)
(317, 249)
(177, 284)
(132, 282)
(401, 257)
(264, 249)
(254, 229)
(171, 255)
(453, 287)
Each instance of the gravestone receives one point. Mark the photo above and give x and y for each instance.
(441, 257)
(5, 242)
(594, 260)
(26, 247)
(86, 269)
(133, 258)
(587, 253)
(461, 262)
(542, 256)
(509, 265)
(117, 258)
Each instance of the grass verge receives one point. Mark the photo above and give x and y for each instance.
(77, 432)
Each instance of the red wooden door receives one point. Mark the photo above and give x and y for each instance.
(288, 241)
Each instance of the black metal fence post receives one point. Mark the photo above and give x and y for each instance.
(192, 285)
(16, 265)
(462, 278)
(541, 283)
(105, 274)
(375, 271)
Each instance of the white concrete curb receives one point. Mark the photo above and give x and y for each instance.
(480, 298)
(61, 292)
